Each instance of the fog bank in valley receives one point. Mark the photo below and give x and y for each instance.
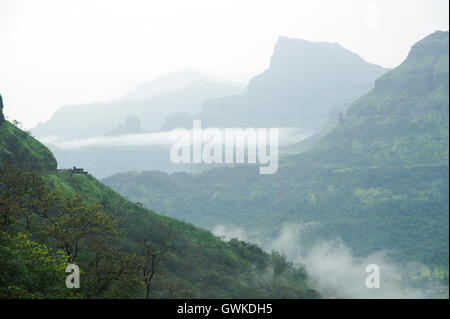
(335, 270)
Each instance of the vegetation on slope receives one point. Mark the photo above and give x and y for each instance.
(75, 219)
(21, 149)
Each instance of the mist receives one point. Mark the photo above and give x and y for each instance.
(335, 271)
(287, 136)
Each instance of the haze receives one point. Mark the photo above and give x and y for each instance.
(62, 52)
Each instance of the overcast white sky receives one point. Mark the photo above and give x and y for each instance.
(58, 52)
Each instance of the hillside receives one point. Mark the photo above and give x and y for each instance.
(19, 148)
(204, 265)
(58, 217)
(378, 180)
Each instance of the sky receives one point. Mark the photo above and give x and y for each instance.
(62, 52)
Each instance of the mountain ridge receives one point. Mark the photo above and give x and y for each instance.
(89, 120)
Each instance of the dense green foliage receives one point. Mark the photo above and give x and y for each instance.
(378, 180)
(202, 263)
(104, 234)
(31, 270)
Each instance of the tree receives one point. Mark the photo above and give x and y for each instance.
(148, 264)
(104, 266)
(22, 194)
(77, 223)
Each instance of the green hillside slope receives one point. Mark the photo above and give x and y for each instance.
(19, 148)
(203, 264)
(378, 180)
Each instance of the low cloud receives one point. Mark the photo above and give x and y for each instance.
(229, 232)
(334, 270)
(287, 136)
(337, 273)
(121, 141)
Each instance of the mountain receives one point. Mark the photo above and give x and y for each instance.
(378, 180)
(53, 218)
(98, 119)
(303, 82)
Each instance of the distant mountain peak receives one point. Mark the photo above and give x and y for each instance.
(163, 84)
(310, 51)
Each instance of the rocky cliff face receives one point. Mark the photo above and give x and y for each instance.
(2, 117)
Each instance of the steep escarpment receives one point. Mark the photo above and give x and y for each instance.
(304, 81)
